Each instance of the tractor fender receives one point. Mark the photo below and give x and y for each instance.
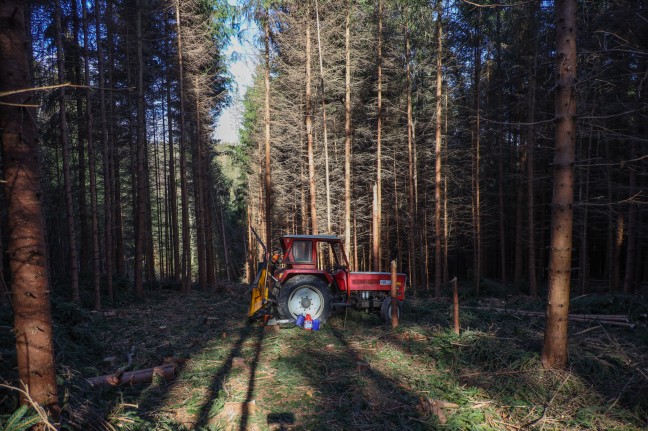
(295, 276)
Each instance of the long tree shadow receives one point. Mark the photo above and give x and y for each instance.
(502, 360)
(343, 390)
(245, 410)
(188, 333)
(219, 377)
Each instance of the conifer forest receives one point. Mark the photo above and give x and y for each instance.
(435, 215)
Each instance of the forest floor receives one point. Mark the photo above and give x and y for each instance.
(353, 374)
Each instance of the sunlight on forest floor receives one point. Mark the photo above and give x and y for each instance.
(355, 373)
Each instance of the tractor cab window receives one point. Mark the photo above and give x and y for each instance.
(302, 251)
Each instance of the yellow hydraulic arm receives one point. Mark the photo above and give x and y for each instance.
(259, 297)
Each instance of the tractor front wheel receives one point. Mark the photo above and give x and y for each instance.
(304, 295)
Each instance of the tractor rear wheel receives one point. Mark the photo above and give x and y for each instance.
(304, 294)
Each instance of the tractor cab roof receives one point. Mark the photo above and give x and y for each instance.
(287, 240)
(325, 238)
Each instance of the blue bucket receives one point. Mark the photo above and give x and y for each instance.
(316, 324)
(300, 320)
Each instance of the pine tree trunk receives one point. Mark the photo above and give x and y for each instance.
(309, 131)
(140, 210)
(199, 218)
(266, 124)
(96, 260)
(377, 244)
(65, 144)
(117, 235)
(172, 187)
(410, 164)
(27, 249)
(105, 151)
(347, 135)
(477, 258)
(324, 124)
(530, 144)
(84, 243)
(438, 234)
(500, 158)
(184, 192)
(554, 352)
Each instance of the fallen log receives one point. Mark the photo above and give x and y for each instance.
(608, 319)
(167, 371)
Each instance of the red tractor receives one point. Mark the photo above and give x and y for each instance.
(311, 276)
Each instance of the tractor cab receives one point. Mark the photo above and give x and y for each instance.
(312, 252)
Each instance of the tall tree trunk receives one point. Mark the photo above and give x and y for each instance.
(399, 248)
(266, 128)
(500, 158)
(477, 239)
(96, 259)
(309, 129)
(438, 234)
(162, 248)
(140, 211)
(27, 249)
(554, 352)
(377, 238)
(65, 144)
(173, 190)
(105, 150)
(184, 192)
(347, 134)
(117, 233)
(326, 153)
(199, 214)
(411, 195)
(84, 248)
(530, 144)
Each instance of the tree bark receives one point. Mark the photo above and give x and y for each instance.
(477, 257)
(530, 144)
(500, 158)
(184, 192)
(347, 134)
(117, 233)
(173, 189)
(324, 124)
(96, 259)
(26, 225)
(266, 127)
(199, 202)
(554, 352)
(411, 196)
(140, 211)
(309, 129)
(438, 234)
(105, 151)
(377, 240)
(65, 145)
